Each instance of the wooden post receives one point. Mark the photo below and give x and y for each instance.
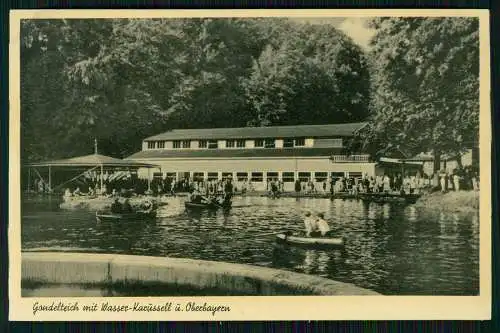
(102, 176)
(29, 179)
(149, 180)
(50, 180)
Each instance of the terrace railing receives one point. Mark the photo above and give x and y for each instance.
(350, 158)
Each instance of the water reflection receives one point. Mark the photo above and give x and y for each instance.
(392, 249)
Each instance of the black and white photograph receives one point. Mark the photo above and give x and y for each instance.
(219, 155)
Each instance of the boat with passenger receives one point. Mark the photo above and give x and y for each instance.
(107, 216)
(198, 201)
(311, 242)
(125, 212)
(384, 197)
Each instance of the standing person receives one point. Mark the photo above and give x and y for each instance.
(228, 189)
(475, 181)
(456, 181)
(443, 182)
(387, 184)
(244, 187)
(298, 186)
(274, 189)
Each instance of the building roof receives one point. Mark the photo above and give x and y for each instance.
(231, 153)
(93, 160)
(347, 129)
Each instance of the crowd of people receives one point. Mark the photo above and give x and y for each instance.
(131, 184)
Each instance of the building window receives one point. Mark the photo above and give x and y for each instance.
(202, 144)
(176, 144)
(269, 143)
(242, 176)
(186, 144)
(300, 142)
(337, 175)
(161, 144)
(257, 177)
(288, 143)
(337, 143)
(240, 143)
(320, 176)
(171, 175)
(288, 177)
(304, 176)
(226, 175)
(212, 176)
(271, 176)
(212, 144)
(230, 143)
(259, 143)
(198, 176)
(151, 144)
(355, 175)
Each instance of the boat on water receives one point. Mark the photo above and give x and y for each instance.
(212, 205)
(389, 197)
(106, 216)
(309, 241)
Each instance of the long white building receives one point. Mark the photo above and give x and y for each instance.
(256, 154)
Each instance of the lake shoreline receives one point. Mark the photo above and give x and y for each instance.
(455, 202)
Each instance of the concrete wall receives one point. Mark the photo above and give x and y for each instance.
(78, 268)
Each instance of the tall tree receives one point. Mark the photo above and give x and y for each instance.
(124, 79)
(425, 83)
(308, 74)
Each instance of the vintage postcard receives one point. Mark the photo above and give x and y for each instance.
(249, 165)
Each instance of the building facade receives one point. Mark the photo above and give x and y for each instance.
(256, 155)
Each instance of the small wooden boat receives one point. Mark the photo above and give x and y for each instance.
(389, 197)
(195, 205)
(310, 242)
(102, 216)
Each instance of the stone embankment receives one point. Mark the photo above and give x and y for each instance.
(80, 269)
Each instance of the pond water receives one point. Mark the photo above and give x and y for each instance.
(393, 249)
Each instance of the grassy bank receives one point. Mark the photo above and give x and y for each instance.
(460, 202)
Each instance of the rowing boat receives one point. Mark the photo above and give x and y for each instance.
(310, 242)
(194, 205)
(389, 197)
(102, 216)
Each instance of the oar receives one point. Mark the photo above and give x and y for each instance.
(267, 234)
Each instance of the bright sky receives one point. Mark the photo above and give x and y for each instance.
(354, 27)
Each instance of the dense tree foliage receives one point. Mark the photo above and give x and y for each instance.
(425, 81)
(316, 75)
(121, 80)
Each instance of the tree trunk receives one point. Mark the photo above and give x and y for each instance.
(458, 158)
(437, 160)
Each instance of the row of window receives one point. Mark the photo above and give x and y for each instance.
(286, 177)
(240, 143)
